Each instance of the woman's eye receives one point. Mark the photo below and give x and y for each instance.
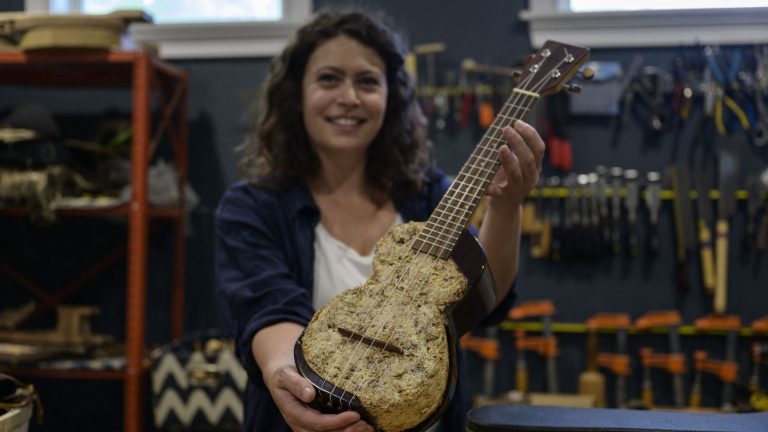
(327, 78)
(369, 82)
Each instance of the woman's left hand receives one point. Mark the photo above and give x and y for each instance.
(520, 167)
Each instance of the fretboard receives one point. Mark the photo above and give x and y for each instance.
(450, 218)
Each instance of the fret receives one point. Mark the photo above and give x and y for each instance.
(460, 212)
(434, 241)
(512, 119)
(440, 252)
(456, 209)
(482, 159)
(474, 177)
(448, 242)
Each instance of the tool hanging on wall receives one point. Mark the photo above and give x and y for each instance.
(424, 73)
(728, 173)
(546, 345)
(618, 362)
(673, 362)
(631, 203)
(653, 203)
(755, 192)
(725, 370)
(602, 186)
(758, 399)
(488, 349)
(616, 181)
(559, 147)
(592, 381)
(704, 204)
(683, 215)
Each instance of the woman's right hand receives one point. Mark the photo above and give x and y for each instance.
(292, 393)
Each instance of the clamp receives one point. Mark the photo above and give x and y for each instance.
(670, 319)
(546, 345)
(727, 370)
(617, 363)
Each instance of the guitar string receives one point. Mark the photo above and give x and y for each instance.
(496, 129)
(536, 88)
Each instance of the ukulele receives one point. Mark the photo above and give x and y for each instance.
(387, 348)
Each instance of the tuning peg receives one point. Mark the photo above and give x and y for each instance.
(587, 73)
(572, 88)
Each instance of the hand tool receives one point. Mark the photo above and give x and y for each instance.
(618, 362)
(728, 172)
(555, 218)
(631, 203)
(704, 205)
(674, 362)
(602, 197)
(755, 191)
(572, 216)
(726, 370)
(616, 175)
(685, 237)
(759, 352)
(653, 202)
(546, 345)
(596, 240)
(591, 380)
(724, 102)
(488, 349)
(762, 231)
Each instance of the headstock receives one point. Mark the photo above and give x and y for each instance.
(548, 70)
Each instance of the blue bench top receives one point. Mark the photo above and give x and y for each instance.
(511, 417)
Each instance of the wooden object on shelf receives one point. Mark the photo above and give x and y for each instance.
(146, 76)
(36, 31)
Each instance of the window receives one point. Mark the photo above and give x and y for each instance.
(708, 23)
(190, 11)
(630, 5)
(190, 29)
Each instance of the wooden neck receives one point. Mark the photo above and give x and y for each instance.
(450, 218)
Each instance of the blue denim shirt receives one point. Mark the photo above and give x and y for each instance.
(264, 263)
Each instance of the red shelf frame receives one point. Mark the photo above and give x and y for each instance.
(145, 75)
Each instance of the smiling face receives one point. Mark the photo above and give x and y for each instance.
(344, 96)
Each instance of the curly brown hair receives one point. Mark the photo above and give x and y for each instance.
(279, 152)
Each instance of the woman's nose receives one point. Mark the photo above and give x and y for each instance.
(348, 95)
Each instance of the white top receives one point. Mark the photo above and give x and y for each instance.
(338, 267)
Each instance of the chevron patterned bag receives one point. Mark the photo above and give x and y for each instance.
(197, 384)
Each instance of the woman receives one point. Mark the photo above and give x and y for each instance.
(340, 157)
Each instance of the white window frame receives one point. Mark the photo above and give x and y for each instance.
(215, 40)
(551, 19)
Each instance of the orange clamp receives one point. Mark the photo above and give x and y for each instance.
(659, 319)
(608, 321)
(545, 346)
(532, 308)
(758, 352)
(486, 348)
(672, 363)
(719, 322)
(727, 371)
(618, 364)
(760, 324)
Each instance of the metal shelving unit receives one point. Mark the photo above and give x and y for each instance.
(152, 83)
